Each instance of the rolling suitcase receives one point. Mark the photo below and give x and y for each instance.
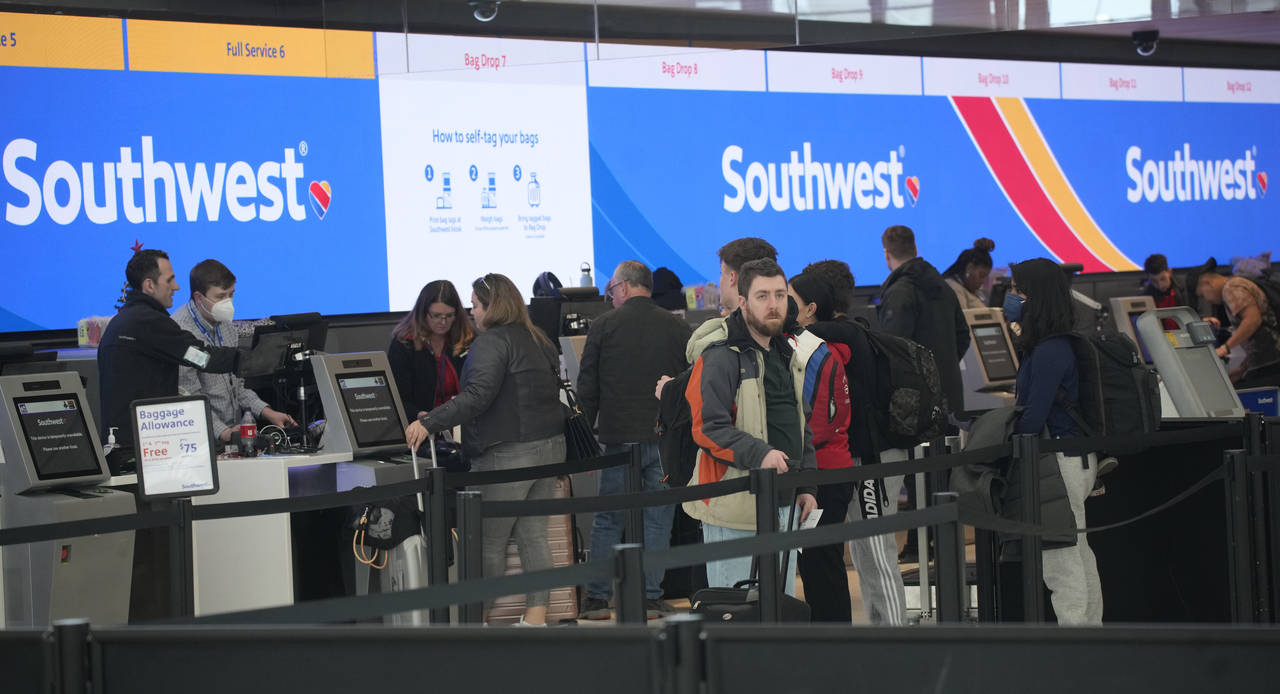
(564, 601)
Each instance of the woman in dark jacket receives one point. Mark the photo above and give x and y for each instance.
(428, 347)
(511, 417)
(1048, 383)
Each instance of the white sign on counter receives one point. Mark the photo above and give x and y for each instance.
(174, 443)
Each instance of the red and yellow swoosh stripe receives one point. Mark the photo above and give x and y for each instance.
(1024, 167)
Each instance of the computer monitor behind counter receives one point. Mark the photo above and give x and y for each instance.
(48, 435)
(362, 406)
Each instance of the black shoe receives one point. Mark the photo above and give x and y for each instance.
(595, 609)
(657, 608)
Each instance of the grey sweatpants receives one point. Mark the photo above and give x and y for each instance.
(530, 532)
(884, 597)
(1071, 573)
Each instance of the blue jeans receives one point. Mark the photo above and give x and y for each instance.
(607, 530)
(725, 573)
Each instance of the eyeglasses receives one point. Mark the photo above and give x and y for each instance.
(612, 285)
(442, 317)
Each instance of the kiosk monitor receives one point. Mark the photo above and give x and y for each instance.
(362, 406)
(989, 368)
(49, 439)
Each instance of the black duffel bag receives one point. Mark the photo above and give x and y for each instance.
(741, 603)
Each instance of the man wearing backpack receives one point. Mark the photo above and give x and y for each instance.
(745, 396)
(917, 304)
(627, 348)
(1251, 307)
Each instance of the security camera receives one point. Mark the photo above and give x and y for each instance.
(1144, 41)
(484, 10)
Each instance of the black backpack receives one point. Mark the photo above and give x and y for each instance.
(1119, 394)
(675, 432)
(895, 382)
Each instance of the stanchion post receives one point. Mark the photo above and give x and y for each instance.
(764, 485)
(984, 543)
(1026, 455)
(182, 592)
(628, 583)
(685, 655)
(71, 654)
(950, 561)
(633, 527)
(470, 550)
(1271, 446)
(1239, 545)
(1257, 509)
(435, 530)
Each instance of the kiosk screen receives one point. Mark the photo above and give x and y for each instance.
(993, 349)
(57, 437)
(370, 409)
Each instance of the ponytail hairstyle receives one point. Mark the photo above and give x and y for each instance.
(979, 255)
(503, 305)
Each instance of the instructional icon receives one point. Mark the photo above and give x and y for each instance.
(489, 193)
(535, 190)
(444, 201)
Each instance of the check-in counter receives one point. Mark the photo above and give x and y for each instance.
(247, 563)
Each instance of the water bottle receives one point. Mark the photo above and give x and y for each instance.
(248, 435)
(585, 280)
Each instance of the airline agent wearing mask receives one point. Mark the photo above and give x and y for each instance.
(208, 316)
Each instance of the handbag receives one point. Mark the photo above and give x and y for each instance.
(580, 441)
(741, 603)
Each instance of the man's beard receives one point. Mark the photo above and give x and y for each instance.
(771, 326)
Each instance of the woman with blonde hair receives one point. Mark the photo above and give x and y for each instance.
(511, 417)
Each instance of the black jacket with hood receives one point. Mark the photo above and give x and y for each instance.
(917, 304)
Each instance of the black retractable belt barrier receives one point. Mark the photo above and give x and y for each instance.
(682, 638)
(764, 485)
(1026, 455)
(1258, 515)
(952, 590)
(1239, 548)
(90, 526)
(435, 529)
(614, 502)
(458, 480)
(633, 527)
(628, 583)
(182, 591)
(470, 552)
(71, 655)
(1271, 473)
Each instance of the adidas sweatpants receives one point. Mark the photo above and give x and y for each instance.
(884, 597)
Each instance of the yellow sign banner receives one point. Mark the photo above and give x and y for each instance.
(46, 40)
(248, 50)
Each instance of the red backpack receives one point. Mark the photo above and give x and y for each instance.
(826, 390)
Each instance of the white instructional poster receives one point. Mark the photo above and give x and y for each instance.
(485, 161)
(175, 454)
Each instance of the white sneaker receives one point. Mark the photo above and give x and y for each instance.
(523, 623)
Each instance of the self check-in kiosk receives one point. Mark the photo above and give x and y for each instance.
(51, 470)
(1190, 370)
(990, 366)
(1125, 311)
(364, 415)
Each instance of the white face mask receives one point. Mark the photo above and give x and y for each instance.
(222, 311)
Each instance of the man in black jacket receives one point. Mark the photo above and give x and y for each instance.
(627, 350)
(917, 304)
(143, 347)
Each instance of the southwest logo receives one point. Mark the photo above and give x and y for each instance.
(321, 196)
(1184, 178)
(913, 188)
(1262, 181)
